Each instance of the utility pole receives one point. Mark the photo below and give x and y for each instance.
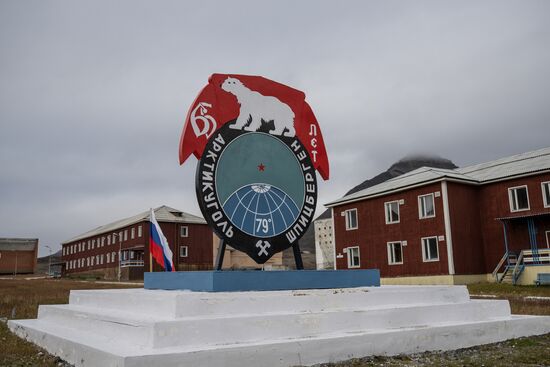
(119, 253)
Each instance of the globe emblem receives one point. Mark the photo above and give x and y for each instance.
(261, 210)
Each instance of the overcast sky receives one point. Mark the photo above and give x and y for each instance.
(93, 94)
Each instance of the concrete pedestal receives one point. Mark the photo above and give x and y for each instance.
(137, 327)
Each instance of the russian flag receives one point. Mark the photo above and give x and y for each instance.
(159, 245)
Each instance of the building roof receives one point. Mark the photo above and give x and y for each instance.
(504, 168)
(18, 244)
(163, 214)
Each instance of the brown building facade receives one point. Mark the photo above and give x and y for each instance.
(18, 255)
(451, 226)
(121, 249)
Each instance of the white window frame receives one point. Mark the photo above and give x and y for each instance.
(125, 235)
(513, 196)
(420, 206)
(140, 231)
(186, 248)
(133, 233)
(545, 199)
(424, 248)
(108, 257)
(184, 231)
(391, 252)
(387, 210)
(350, 257)
(347, 214)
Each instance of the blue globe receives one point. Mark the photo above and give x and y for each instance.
(261, 210)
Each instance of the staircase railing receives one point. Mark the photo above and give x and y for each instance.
(541, 256)
(518, 268)
(499, 265)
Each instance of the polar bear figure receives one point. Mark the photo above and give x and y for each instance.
(257, 107)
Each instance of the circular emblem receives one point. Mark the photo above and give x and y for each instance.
(257, 190)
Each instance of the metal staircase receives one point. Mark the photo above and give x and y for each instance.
(511, 265)
(508, 264)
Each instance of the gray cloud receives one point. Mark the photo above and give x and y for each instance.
(94, 94)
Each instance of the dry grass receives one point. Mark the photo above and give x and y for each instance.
(19, 299)
(516, 295)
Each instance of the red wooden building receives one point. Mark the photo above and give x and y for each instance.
(18, 255)
(489, 221)
(121, 249)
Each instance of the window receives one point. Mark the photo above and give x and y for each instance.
(87, 261)
(113, 256)
(92, 261)
(183, 251)
(353, 257)
(519, 198)
(120, 238)
(430, 250)
(89, 244)
(392, 212)
(93, 244)
(101, 259)
(126, 235)
(108, 240)
(139, 231)
(108, 257)
(426, 207)
(395, 253)
(184, 231)
(547, 239)
(546, 194)
(351, 219)
(133, 233)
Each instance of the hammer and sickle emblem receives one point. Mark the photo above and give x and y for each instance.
(208, 122)
(263, 247)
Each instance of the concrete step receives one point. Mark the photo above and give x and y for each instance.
(155, 332)
(178, 304)
(82, 349)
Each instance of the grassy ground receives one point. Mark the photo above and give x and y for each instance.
(20, 299)
(520, 303)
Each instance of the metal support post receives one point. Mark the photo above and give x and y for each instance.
(219, 256)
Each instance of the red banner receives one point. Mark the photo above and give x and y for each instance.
(251, 101)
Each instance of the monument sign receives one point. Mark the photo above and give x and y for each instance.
(259, 145)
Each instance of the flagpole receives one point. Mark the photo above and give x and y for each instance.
(150, 252)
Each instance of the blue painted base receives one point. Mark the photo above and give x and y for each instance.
(250, 280)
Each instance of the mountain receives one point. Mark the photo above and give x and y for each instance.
(404, 165)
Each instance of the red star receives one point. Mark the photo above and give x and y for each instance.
(261, 167)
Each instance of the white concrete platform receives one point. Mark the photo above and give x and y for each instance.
(136, 327)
